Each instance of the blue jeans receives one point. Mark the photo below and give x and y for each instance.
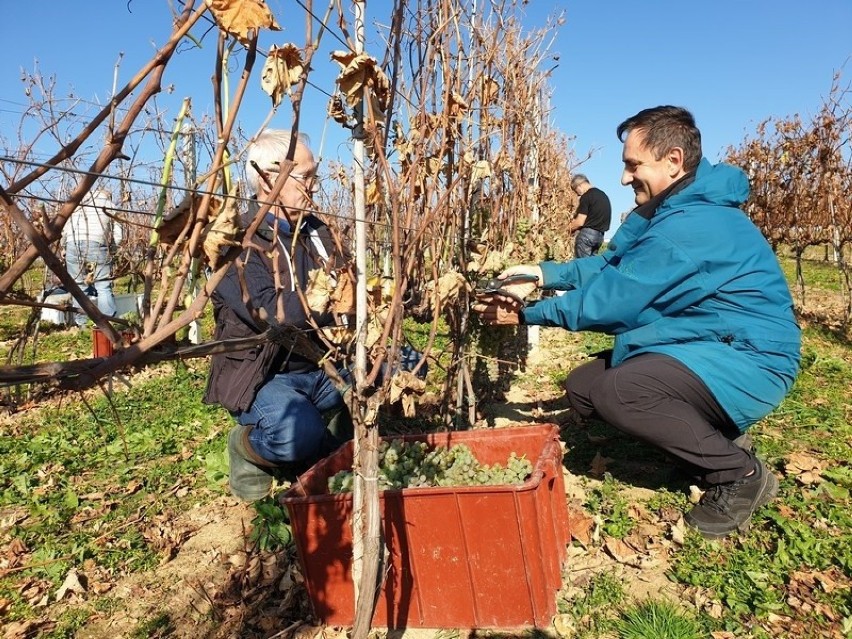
(78, 255)
(287, 415)
(587, 242)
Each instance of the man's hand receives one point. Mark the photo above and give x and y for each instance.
(498, 310)
(523, 287)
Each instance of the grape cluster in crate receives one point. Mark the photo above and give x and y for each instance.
(414, 465)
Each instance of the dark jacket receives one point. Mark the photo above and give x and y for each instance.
(236, 377)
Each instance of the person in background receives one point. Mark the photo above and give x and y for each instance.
(592, 218)
(706, 341)
(89, 239)
(289, 411)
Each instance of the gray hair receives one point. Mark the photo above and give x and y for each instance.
(578, 179)
(268, 151)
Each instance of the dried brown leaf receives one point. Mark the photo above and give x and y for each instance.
(319, 290)
(490, 89)
(225, 230)
(580, 526)
(74, 583)
(805, 468)
(622, 552)
(359, 72)
(449, 287)
(343, 296)
(457, 106)
(336, 111)
(372, 196)
(175, 220)
(481, 170)
(283, 68)
(27, 629)
(238, 17)
(599, 464)
(404, 383)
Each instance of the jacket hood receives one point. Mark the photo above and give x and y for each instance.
(719, 184)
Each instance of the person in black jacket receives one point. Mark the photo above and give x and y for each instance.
(281, 400)
(592, 218)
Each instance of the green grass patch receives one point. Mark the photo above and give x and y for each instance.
(658, 619)
(594, 610)
(808, 530)
(816, 272)
(87, 484)
(607, 501)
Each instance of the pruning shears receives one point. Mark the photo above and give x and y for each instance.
(497, 286)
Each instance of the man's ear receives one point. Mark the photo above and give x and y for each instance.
(674, 160)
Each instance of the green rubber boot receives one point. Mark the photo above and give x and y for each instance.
(248, 479)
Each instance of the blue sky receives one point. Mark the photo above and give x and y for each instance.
(732, 62)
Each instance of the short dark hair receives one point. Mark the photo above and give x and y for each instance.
(664, 128)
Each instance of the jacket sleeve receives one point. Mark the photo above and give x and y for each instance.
(651, 280)
(564, 276)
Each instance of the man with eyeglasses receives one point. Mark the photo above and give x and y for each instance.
(283, 402)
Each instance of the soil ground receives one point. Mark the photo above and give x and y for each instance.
(216, 586)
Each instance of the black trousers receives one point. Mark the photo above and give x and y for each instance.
(656, 399)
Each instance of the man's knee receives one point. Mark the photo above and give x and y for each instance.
(579, 385)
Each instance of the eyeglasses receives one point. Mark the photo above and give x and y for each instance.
(309, 182)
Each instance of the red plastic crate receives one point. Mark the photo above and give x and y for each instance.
(460, 557)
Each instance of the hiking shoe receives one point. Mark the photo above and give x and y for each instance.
(248, 480)
(725, 508)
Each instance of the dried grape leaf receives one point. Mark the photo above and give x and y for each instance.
(238, 17)
(448, 287)
(283, 68)
(73, 583)
(175, 220)
(457, 106)
(481, 170)
(359, 72)
(343, 296)
(319, 290)
(372, 196)
(222, 232)
(490, 90)
(599, 464)
(336, 110)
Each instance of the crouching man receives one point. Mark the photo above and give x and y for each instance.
(282, 402)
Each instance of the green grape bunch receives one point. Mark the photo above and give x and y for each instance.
(414, 465)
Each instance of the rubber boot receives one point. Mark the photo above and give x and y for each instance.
(250, 477)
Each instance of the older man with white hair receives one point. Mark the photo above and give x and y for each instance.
(282, 401)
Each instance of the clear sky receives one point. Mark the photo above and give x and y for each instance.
(732, 62)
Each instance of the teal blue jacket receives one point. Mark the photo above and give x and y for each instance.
(697, 282)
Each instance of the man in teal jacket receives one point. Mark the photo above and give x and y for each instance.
(706, 342)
